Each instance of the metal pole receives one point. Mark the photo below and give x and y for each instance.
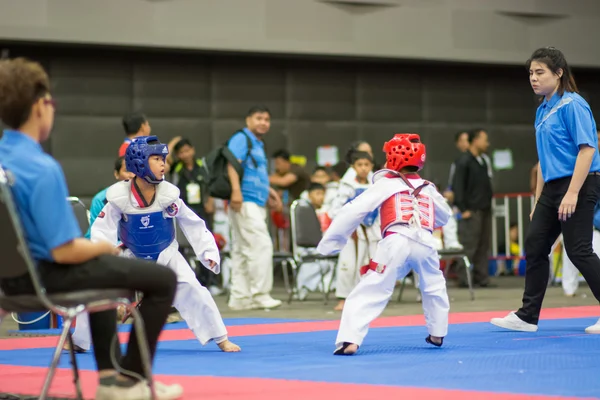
(520, 219)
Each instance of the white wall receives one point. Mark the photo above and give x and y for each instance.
(489, 31)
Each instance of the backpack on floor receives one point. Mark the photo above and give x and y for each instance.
(215, 162)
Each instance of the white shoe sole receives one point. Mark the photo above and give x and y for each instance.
(501, 323)
(593, 330)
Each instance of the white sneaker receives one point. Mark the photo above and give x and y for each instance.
(241, 305)
(594, 329)
(514, 323)
(265, 301)
(139, 391)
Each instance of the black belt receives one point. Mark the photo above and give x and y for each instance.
(594, 173)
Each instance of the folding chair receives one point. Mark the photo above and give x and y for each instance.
(81, 213)
(306, 233)
(17, 261)
(449, 255)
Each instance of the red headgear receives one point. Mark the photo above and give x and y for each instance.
(404, 150)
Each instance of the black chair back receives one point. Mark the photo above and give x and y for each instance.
(81, 213)
(306, 228)
(14, 250)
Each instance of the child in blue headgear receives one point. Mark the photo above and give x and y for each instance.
(142, 213)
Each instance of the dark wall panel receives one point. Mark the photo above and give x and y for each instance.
(206, 98)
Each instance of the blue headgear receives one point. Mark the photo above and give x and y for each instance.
(138, 153)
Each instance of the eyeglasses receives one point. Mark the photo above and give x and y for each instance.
(51, 102)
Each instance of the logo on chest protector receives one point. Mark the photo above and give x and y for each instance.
(101, 215)
(172, 210)
(145, 220)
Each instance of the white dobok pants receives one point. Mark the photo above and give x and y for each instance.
(369, 298)
(193, 301)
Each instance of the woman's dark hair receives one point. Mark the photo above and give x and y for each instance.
(22, 83)
(555, 60)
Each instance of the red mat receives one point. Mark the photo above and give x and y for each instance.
(299, 327)
(28, 380)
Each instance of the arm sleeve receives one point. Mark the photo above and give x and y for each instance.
(199, 237)
(351, 215)
(106, 225)
(580, 124)
(95, 209)
(51, 212)
(239, 146)
(459, 184)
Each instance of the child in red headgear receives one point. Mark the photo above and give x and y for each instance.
(410, 209)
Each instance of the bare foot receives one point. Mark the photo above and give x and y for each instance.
(76, 348)
(351, 349)
(339, 306)
(229, 347)
(347, 349)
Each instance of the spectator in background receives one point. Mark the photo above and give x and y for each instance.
(135, 124)
(191, 177)
(461, 140)
(320, 175)
(252, 247)
(472, 186)
(99, 201)
(358, 146)
(288, 176)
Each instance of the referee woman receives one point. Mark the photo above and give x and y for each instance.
(568, 186)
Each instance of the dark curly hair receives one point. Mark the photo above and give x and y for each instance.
(22, 83)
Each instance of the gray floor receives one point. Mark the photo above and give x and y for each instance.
(507, 296)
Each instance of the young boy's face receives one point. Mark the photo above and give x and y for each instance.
(157, 166)
(362, 168)
(320, 176)
(317, 198)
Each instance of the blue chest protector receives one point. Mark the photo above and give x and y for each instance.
(372, 216)
(146, 235)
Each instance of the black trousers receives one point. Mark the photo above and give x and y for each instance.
(577, 233)
(475, 234)
(157, 283)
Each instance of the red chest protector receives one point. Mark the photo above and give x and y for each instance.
(402, 206)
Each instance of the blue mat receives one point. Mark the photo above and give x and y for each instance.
(560, 360)
(176, 325)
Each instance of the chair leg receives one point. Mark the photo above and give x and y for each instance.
(74, 365)
(294, 282)
(401, 289)
(469, 278)
(55, 358)
(143, 347)
(286, 279)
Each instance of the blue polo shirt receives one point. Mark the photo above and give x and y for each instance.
(255, 183)
(40, 193)
(562, 124)
(98, 203)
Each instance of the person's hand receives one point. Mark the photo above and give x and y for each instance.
(567, 206)
(466, 215)
(236, 200)
(449, 195)
(532, 211)
(108, 248)
(212, 263)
